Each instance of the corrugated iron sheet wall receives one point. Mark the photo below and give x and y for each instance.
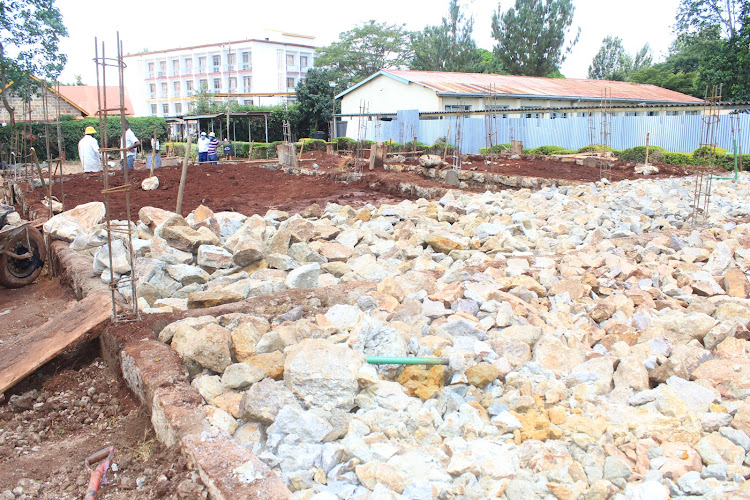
(673, 133)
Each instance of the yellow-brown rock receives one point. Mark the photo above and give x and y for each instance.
(272, 363)
(736, 283)
(422, 383)
(482, 374)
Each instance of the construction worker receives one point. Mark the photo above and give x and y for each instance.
(203, 148)
(88, 151)
(227, 146)
(131, 146)
(213, 146)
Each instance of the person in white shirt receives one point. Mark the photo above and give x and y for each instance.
(88, 151)
(131, 145)
(203, 143)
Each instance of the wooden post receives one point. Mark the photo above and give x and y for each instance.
(414, 147)
(250, 151)
(39, 169)
(183, 179)
(301, 149)
(647, 137)
(445, 148)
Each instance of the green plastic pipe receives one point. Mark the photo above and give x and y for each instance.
(735, 177)
(384, 360)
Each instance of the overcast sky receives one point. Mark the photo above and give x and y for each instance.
(156, 25)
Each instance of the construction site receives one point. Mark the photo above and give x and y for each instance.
(377, 324)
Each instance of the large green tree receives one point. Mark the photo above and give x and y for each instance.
(365, 50)
(315, 98)
(714, 35)
(612, 62)
(448, 47)
(30, 31)
(531, 36)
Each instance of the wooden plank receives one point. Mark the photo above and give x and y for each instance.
(27, 353)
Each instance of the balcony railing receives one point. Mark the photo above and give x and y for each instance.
(187, 71)
(176, 93)
(161, 74)
(150, 74)
(216, 69)
(246, 66)
(201, 70)
(175, 72)
(229, 67)
(246, 90)
(189, 93)
(162, 94)
(151, 95)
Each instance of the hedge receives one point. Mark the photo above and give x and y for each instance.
(73, 130)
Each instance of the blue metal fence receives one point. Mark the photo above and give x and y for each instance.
(674, 133)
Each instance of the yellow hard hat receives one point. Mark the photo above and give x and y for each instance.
(90, 130)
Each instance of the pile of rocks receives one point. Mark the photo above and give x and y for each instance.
(596, 345)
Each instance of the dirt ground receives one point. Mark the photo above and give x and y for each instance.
(70, 409)
(249, 189)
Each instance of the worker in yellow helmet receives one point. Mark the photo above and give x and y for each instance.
(88, 151)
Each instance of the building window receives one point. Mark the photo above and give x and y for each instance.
(693, 112)
(178, 108)
(673, 113)
(248, 102)
(217, 83)
(176, 89)
(165, 108)
(150, 70)
(246, 60)
(652, 113)
(153, 109)
(189, 86)
(189, 63)
(290, 60)
(217, 60)
(152, 90)
(202, 64)
(175, 67)
(232, 84)
(290, 82)
(232, 58)
(457, 108)
(303, 61)
(246, 83)
(204, 84)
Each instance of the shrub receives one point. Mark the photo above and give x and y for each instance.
(314, 144)
(178, 149)
(497, 148)
(706, 150)
(594, 148)
(345, 143)
(548, 150)
(638, 154)
(678, 158)
(441, 147)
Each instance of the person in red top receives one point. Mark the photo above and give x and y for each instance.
(213, 146)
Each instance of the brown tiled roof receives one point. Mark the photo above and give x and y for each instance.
(84, 97)
(480, 83)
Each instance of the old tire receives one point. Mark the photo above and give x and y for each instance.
(15, 273)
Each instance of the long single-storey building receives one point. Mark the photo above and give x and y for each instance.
(388, 91)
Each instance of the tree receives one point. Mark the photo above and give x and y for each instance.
(488, 63)
(30, 31)
(530, 36)
(365, 50)
(448, 47)
(613, 63)
(715, 34)
(315, 98)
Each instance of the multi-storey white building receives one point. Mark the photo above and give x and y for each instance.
(254, 71)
